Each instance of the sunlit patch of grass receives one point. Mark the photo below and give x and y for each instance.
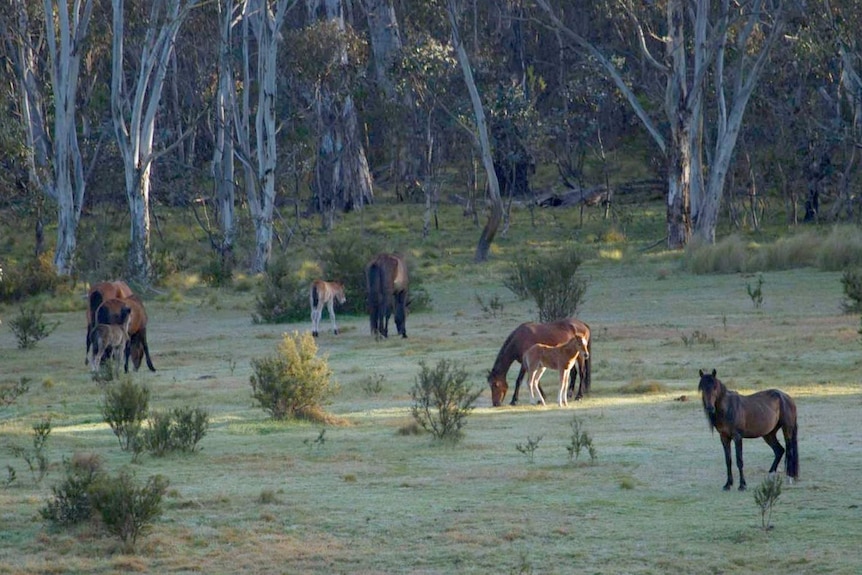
(611, 254)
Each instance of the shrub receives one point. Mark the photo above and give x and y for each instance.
(852, 283)
(10, 393)
(551, 281)
(293, 383)
(34, 277)
(71, 503)
(283, 294)
(217, 271)
(180, 429)
(124, 407)
(35, 458)
(30, 327)
(766, 496)
(127, 510)
(529, 448)
(580, 439)
(442, 400)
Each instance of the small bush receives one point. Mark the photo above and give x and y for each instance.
(766, 496)
(71, 503)
(851, 281)
(10, 393)
(283, 294)
(580, 439)
(125, 406)
(30, 327)
(180, 429)
(217, 271)
(295, 382)
(756, 292)
(551, 282)
(127, 510)
(35, 457)
(442, 400)
(529, 448)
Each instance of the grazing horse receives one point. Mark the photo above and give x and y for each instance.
(560, 357)
(324, 293)
(110, 312)
(526, 336)
(110, 340)
(386, 277)
(99, 293)
(760, 414)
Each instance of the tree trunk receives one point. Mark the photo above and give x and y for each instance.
(223, 150)
(133, 108)
(342, 179)
(495, 217)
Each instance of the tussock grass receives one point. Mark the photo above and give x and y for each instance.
(836, 250)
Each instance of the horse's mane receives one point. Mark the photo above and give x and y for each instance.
(502, 356)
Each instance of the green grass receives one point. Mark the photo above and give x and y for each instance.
(372, 499)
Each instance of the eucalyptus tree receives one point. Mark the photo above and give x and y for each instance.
(54, 158)
(341, 179)
(135, 96)
(481, 140)
(716, 50)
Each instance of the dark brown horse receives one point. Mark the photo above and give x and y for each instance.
(386, 277)
(760, 414)
(111, 312)
(523, 338)
(99, 293)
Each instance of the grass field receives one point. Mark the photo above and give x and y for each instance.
(262, 497)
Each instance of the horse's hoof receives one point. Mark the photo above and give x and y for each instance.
(314, 334)
(742, 487)
(513, 402)
(336, 332)
(727, 487)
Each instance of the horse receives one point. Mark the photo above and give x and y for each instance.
(97, 294)
(324, 293)
(386, 278)
(110, 312)
(110, 340)
(523, 338)
(760, 414)
(560, 357)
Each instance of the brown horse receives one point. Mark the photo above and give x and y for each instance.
(99, 293)
(523, 338)
(110, 340)
(110, 312)
(560, 357)
(386, 277)
(760, 414)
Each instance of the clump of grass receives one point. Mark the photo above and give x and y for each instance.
(267, 497)
(372, 384)
(729, 255)
(638, 387)
(697, 337)
(411, 428)
(851, 281)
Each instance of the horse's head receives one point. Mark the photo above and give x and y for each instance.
(710, 390)
(499, 387)
(584, 345)
(339, 293)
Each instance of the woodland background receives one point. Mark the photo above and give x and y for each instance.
(263, 117)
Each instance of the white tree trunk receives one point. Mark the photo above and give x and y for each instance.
(134, 104)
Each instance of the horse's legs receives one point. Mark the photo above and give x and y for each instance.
(535, 376)
(518, 385)
(315, 320)
(329, 306)
(737, 441)
(564, 380)
(772, 440)
(401, 313)
(725, 444)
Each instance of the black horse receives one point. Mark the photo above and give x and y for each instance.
(760, 414)
(386, 277)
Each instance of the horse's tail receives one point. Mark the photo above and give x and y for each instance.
(588, 366)
(788, 416)
(315, 296)
(95, 301)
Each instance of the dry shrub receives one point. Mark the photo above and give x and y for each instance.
(642, 387)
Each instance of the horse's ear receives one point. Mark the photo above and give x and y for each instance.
(700, 372)
(713, 373)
